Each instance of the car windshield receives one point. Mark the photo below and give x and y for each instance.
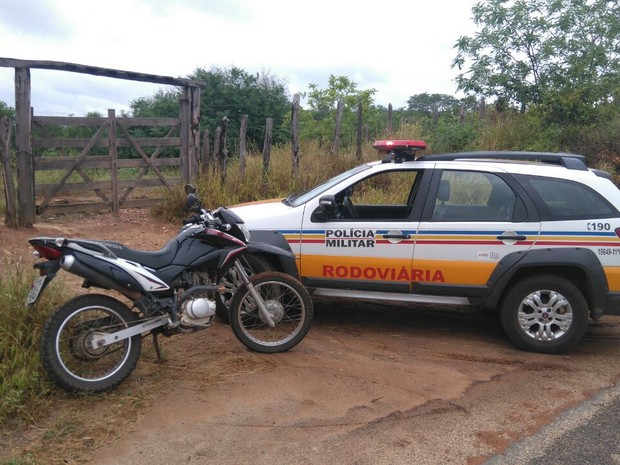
(296, 199)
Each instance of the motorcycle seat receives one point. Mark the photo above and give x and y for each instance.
(151, 259)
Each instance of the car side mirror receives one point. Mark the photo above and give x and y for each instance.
(327, 204)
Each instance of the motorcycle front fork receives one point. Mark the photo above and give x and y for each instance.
(262, 310)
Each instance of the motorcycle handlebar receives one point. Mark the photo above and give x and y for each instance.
(194, 219)
(206, 217)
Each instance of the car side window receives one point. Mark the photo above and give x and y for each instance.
(384, 196)
(567, 200)
(473, 196)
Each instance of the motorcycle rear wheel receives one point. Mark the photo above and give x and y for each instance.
(289, 305)
(68, 358)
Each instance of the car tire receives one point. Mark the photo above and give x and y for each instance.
(544, 313)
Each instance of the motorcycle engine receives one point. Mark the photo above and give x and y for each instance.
(197, 304)
(197, 312)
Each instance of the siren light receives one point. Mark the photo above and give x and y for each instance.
(398, 151)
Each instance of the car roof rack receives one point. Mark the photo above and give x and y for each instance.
(568, 160)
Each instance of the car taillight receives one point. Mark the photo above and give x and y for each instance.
(47, 252)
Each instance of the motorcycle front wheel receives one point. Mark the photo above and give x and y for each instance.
(68, 357)
(229, 278)
(289, 306)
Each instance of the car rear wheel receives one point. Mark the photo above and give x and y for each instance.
(546, 314)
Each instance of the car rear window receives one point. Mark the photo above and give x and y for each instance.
(561, 199)
(473, 196)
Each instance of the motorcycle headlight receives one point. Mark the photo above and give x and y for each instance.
(245, 231)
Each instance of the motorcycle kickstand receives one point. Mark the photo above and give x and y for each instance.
(158, 351)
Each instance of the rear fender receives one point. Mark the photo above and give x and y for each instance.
(560, 261)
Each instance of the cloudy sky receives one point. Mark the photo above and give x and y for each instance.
(398, 47)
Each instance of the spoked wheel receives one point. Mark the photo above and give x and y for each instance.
(546, 314)
(229, 278)
(289, 305)
(68, 356)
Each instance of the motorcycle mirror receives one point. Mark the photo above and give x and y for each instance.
(193, 203)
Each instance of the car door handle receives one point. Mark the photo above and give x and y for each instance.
(397, 236)
(511, 237)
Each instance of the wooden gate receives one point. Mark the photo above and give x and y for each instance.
(111, 165)
(109, 147)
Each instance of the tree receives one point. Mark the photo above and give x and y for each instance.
(230, 92)
(318, 120)
(423, 104)
(7, 111)
(162, 104)
(233, 92)
(562, 53)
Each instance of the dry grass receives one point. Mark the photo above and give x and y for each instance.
(23, 386)
(316, 165)
(68, 428)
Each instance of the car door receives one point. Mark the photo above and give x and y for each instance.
(366, 238)
(472, 221)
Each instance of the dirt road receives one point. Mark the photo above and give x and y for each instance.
(369, 385)
(372, 386)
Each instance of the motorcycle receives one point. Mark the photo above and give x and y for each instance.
(92, 342)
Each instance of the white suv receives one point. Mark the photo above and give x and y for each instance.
(534, 236)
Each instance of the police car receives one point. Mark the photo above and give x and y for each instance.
(533, 236)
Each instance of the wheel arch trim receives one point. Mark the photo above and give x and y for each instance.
(559, 261)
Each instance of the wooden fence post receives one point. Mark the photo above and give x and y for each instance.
(336, 141)
(206, 153)
(295, 135)
(358, 147)
(389, 121)
(113, 153)
(23, 142)
(9, 187)
(267, 146)
(194, 129)
(242, 150)
(222, 154)
(184, 129)
(216, 149)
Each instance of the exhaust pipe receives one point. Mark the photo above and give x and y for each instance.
(70, 264)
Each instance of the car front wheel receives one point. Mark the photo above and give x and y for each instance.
(546, 314)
